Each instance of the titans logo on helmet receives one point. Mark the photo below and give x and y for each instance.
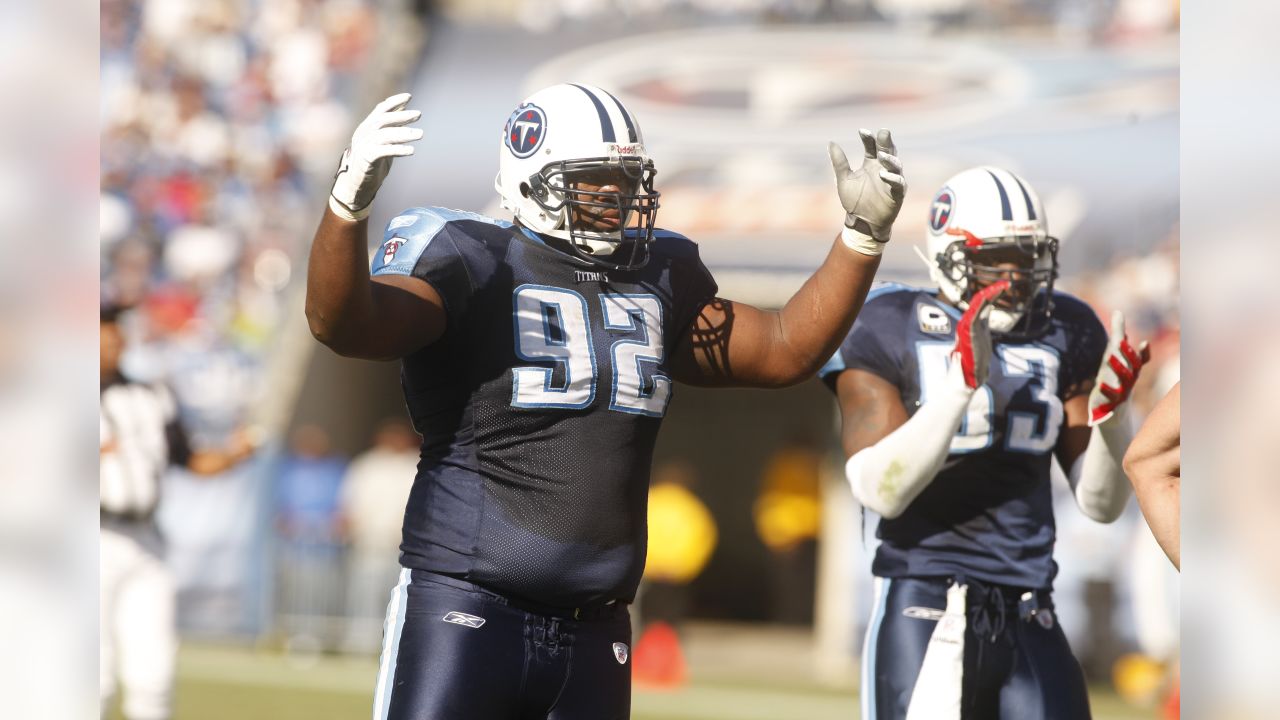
(525, 130)
(940, 209)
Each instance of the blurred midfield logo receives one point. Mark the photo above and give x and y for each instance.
(389, 250)
(460, 618)
(940, 209)
(524, 130)
(620, 652)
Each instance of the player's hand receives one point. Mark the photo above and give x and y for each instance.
(1121, 365)
(872, 194)
(973, 336)
(379, 139)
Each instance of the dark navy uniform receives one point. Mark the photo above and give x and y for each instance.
(524, 535)
(986, 519)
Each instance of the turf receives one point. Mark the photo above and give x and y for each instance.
(216, 683)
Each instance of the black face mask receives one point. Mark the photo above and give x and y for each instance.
(1030, 294)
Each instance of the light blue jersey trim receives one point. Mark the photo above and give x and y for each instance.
(833, 366)
(884, 288)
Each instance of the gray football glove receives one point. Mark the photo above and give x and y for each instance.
(872, 194)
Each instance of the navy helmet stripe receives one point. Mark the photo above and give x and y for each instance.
(606, 125)
(631, 128)
(1005, 208)
(1031, 209)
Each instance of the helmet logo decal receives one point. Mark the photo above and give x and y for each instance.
(525, 130)
(940, 209)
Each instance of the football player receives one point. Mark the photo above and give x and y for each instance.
(538, 359)
(954, 403)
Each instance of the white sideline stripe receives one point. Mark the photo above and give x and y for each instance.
(391, 630)
(868, 689)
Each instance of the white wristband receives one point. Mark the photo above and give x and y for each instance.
(346, 213)
(858, 242)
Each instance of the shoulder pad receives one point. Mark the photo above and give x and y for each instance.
(673, 244)
(1068, 307)
(881, 289)
(409, 233)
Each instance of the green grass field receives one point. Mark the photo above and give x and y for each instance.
(218, 683)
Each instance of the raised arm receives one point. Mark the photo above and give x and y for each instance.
(380, 318)
(736, 344)
(1098, 429)
(1154, 466)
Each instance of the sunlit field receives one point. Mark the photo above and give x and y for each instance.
(220, 682)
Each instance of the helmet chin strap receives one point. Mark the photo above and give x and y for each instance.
(596, 246)
(1002, 321)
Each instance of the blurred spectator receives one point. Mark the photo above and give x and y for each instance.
(140, 437)
(309, 528)
(682, 536)
(787, 515)
(372, 502)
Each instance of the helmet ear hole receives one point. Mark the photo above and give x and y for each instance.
(524, 189)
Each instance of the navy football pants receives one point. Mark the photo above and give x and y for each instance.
(1015, 667)
(454, 651)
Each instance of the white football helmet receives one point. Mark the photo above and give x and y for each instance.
(985, 217)
(568, 134)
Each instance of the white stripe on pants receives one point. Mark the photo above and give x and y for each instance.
(870, 643)
(391, 629)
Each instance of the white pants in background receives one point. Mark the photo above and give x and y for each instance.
(138, 637)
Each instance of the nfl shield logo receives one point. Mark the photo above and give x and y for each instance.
(620, 652)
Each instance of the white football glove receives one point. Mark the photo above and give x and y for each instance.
(973, 336)
(1121, 365)
(872, 194)
(380, 138)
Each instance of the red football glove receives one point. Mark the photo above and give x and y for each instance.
(973, 337)
(1121, 365)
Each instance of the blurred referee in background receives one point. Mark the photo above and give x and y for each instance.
(140, 436)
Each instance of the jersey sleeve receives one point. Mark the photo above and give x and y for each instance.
(1086, 345)
(693, 284)
(417, 243)
(871, 344)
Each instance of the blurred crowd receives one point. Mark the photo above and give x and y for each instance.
(216, 116)
(221, 122)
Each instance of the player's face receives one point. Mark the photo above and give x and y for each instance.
(1005, 263)
(601, 188)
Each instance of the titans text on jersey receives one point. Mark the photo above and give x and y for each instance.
(989, 512)
(539, 406)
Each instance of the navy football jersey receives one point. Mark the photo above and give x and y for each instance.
(989, 512)
(539, 407)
